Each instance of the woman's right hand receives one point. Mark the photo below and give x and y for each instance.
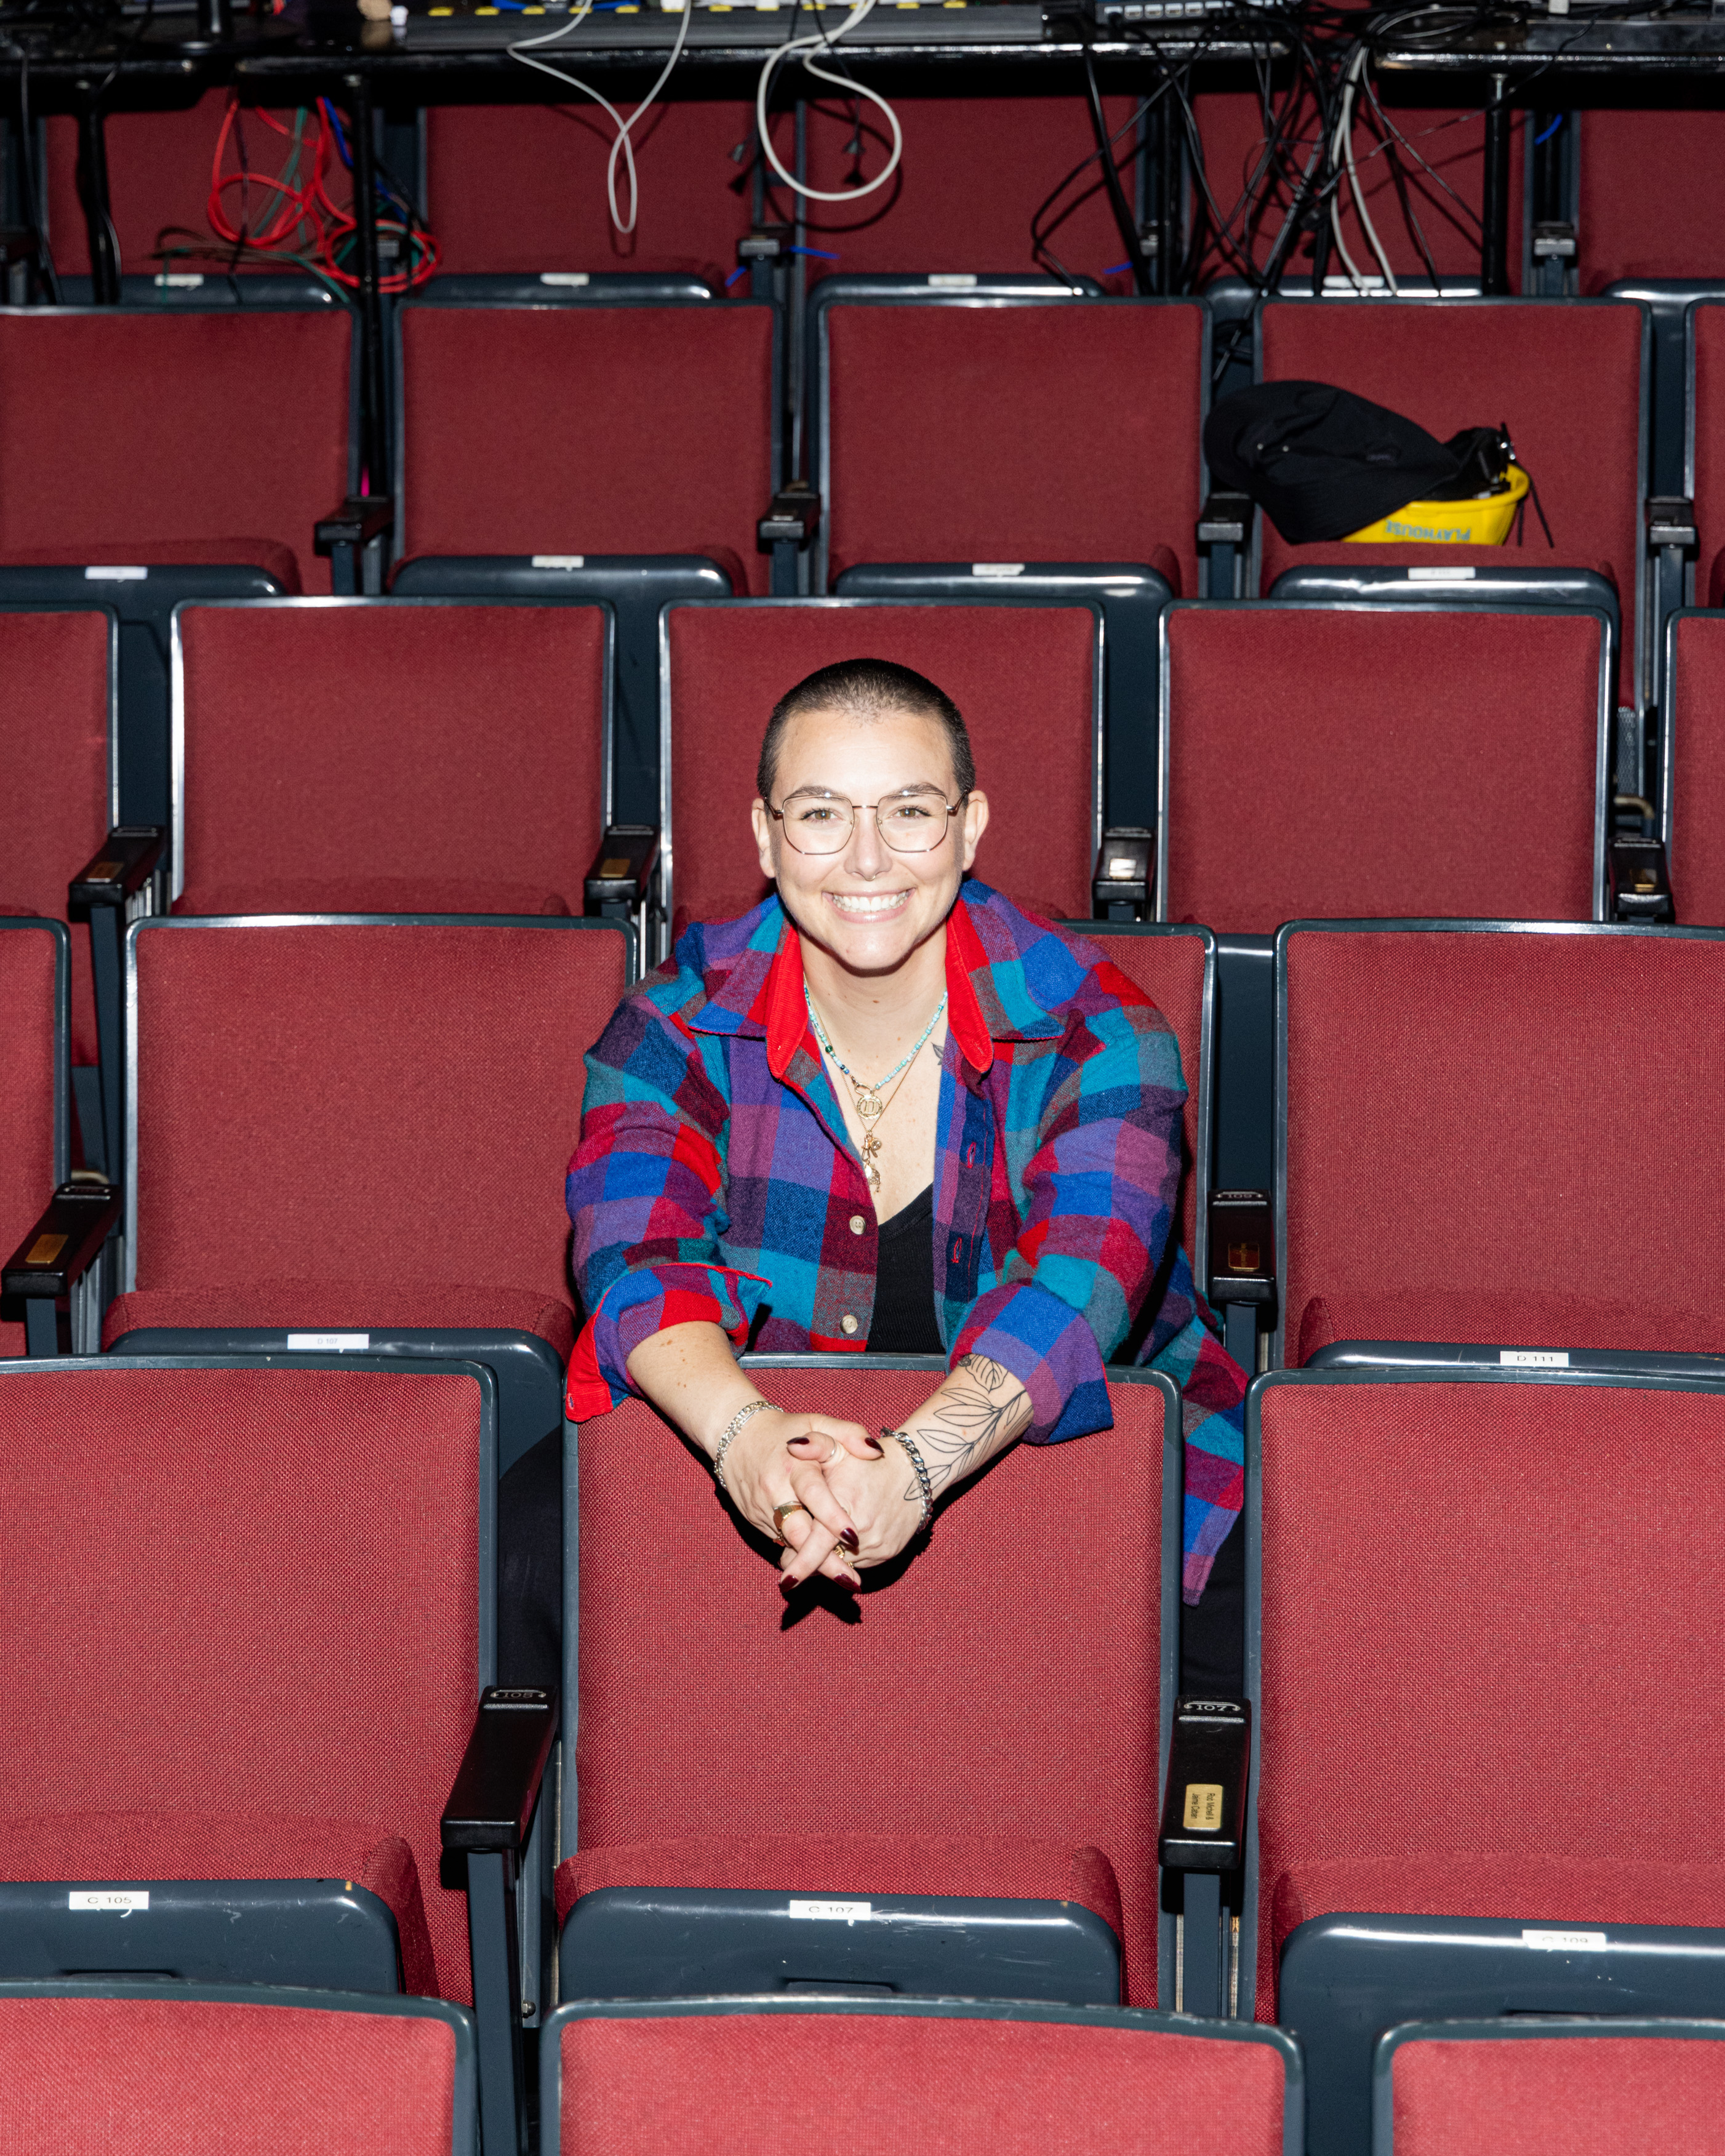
(778, 1458)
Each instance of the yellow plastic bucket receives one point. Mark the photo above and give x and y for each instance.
(1481, 519)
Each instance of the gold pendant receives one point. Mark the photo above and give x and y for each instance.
(869, 1103)
(871, 1153)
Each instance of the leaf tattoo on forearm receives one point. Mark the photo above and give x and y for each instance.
(968, 1421)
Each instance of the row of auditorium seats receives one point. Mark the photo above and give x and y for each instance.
(1413, 1816)
(338, 1128)
(936, 453)
(478, 174)
(1248, 763)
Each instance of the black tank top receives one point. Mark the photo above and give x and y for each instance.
(904, 1322)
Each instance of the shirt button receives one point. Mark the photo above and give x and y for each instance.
(847, 1323)
(857, 1224)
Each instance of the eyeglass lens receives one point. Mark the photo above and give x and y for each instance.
(910, 823)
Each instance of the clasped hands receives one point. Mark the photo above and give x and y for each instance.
(844, 1498)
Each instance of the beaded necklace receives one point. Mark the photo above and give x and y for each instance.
(869, 1106)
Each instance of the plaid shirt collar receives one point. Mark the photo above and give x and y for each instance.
(759, 995)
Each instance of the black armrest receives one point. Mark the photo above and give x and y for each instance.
(359, 520)
(1671, 522)
(1242, 1247)
(765, 244)
(622, 868)
(1203, 1808)
(792, 519)
(1641, 879)
(497, 1783)
(64, 1242)
(1119, 890)
(127, 859)
(1226, 519)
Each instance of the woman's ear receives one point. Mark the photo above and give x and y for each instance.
(763, 839)
(975, 820)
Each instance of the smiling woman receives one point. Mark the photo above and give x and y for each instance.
(889, 1110)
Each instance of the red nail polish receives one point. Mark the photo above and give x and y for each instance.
(787, 1585)
(849, 1538)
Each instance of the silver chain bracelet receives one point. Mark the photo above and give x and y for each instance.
(925, 1488)
(732, 1428)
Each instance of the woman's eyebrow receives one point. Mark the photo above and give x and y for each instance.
(832, 792)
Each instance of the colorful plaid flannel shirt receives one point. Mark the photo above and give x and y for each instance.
(715, 1180)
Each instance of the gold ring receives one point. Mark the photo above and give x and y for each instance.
(781, 1513)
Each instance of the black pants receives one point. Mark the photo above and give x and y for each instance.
(1213, 1635)
(530, 1567)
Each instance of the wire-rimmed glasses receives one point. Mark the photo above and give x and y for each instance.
(914, 820)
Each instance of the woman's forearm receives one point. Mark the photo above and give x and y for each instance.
(689, 1373)
(979, 1410)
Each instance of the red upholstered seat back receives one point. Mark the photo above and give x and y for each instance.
(1478, 1124)
(973, 172)
(1696, 696)
(1049, 431)
(29, 1022)
(1373, 762)
(125, 429)
(1441, 163)
(1566, 380)
(391, 740)
(54, 750)
(260, 1588)
(953, 2088)
(1638, 2095)
(1707, 439)
(202, 2077)
(1626, 231)
(488, 204)
(159, 166)
(1024, 678)
(679, 462)
(391, 1103)
(998, 1698)
(1170, 970)
(1459, 1582)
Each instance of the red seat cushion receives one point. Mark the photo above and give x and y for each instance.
(735, 2085)
(110, 1848)
(343, 1306)
(1636, 2096)
(170, 2077)
(1008, 1868)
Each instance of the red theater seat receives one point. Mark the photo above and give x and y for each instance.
(1025, 678)
(681, 460)
(389, 756)
(953, 2078)
(692, 1773)
(1462, 1112)
(1644, 179)
(1694, 744)
(1388, 760)
(1460, 1578)
(136, 2070)
(943, 440)
(133, 437)
(1520, 2086)
(1566, 378)
(362, 1128)
(1707, 446)
(262, 1587)
(56, 751)
(34, 1150)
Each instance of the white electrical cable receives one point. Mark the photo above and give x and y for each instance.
(823, 41)
(522, 51)
(1344, 138)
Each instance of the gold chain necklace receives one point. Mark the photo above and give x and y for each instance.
(866, 1098)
